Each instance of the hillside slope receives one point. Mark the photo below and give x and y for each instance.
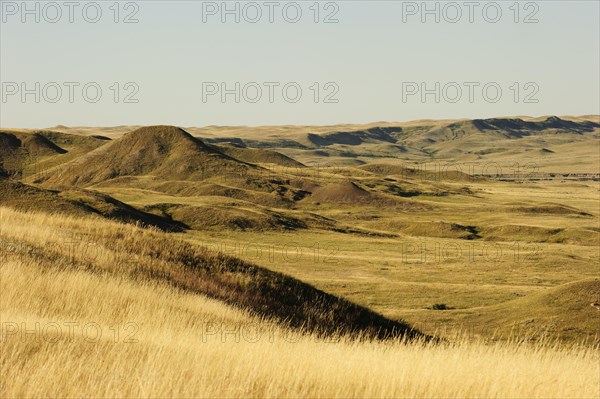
(26, 153)
(133, 252)
(258, 155)
(78, 202)
(564, 311)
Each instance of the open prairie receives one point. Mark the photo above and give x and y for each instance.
(299, 199)
(454, 258)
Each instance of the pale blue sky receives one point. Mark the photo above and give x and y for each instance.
(368, 54)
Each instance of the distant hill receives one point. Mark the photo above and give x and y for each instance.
(494, 129)
(236, 216)
(547, 139)
(28, 152)
(158, 151)
(519, 127)
(544, 140)
(346, 192)
(257, 155)
(376, 134)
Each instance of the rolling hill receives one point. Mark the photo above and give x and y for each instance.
(157, 151)
(26, 153)
(78, 202)
(223, 188)
(140, 255)
(564, 311)
(257, 155)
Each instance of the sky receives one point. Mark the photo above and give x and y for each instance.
(199, 63)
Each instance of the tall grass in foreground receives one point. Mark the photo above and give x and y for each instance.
(101, 334)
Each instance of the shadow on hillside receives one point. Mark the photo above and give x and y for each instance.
(265, 293)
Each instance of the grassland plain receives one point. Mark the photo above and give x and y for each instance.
(76, 325)
(168, 262)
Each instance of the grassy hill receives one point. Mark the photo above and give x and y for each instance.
(564, 312)
(168, 259)
(78, 202)
(258, 155)
(159, 151)
(25, 153)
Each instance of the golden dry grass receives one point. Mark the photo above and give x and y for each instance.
(161, 341)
